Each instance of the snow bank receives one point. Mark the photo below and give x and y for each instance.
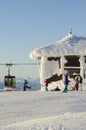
(68, 121)
(38, 110)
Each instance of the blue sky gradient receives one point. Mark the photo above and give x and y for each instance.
(29, 24)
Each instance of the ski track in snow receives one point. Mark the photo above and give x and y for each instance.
(67, 121)
(43, 110)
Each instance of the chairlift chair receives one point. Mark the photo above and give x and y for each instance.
(9, 81)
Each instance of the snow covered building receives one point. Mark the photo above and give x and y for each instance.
(66, 55)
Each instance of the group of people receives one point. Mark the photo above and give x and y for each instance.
(77, 83)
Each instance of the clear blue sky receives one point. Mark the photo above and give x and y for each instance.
(29, 24)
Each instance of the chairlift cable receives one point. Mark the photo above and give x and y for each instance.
(10, 64)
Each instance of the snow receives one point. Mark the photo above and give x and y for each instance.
(70, 45)
(39, 110)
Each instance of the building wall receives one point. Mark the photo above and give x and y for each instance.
(48, 68)
(59, 65)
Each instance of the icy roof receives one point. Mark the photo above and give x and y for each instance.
(70, 45)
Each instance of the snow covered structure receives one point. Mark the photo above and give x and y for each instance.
(66, 55)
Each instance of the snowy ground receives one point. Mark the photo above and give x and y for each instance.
(38, 110)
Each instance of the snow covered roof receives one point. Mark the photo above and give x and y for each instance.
(70, 45)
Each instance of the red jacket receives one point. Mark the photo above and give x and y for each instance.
(46, 82)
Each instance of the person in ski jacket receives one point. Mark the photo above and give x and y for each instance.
(80, 83)
(76, 84)
(66, 82)
(26, 85)
(46, 85)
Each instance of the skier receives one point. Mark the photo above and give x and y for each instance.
(66, 82)
(26, 85)
(46, 85)
(80, 83)
(76, 84)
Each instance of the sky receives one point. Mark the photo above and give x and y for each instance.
(29, 24)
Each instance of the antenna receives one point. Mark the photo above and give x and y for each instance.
(71, 31)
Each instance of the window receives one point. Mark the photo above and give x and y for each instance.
(73, 61)
(55, 59)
